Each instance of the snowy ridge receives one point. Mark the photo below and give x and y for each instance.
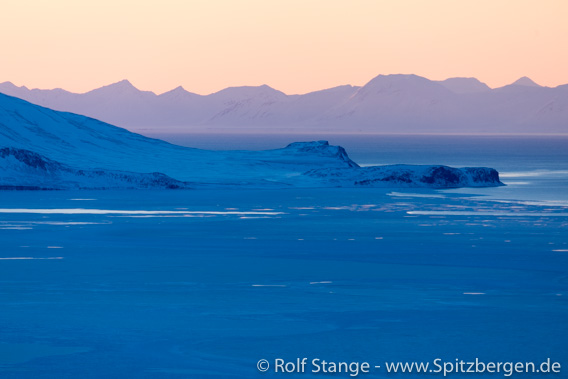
(387, 103)
(45, 149)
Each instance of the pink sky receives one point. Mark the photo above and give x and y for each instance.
(294, 46)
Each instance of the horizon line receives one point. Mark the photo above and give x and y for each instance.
(127, 81)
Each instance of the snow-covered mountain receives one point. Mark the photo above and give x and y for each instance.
(45, 149)
(412, 104)
(392, 102)
(122, 104)
(388, 103)
(465, 85)
(525, 81)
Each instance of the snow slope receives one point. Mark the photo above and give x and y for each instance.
(48, 149)
(26, 170)
(387, 103)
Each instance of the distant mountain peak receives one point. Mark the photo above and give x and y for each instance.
(178, 89)
(124, 83)
(387, 103)
(10, 85)
(399, 79)
(525, 81)
(393, 77)
(178, 92)
(402, 83)
(249, 91)
(465, 85)
(121, 86)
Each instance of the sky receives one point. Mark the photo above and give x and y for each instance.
(296, 46)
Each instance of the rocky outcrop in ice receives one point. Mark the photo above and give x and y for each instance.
(409, 176)
(322, 148)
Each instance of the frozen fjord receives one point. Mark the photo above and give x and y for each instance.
(344, 274)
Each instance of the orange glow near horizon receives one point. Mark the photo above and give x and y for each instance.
(295, 46)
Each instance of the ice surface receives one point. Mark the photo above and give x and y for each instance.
(209, 297)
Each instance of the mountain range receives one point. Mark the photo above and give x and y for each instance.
(45, 149)
(386, 104)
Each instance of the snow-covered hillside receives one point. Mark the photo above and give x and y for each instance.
(387, 103)
(25, 170)
(43, 148)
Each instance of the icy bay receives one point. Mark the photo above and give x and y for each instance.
(339, 274)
